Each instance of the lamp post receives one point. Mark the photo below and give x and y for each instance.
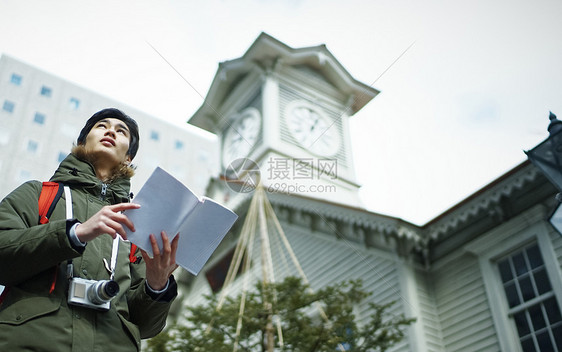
(547, 157)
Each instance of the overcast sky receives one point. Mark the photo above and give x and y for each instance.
(455, 111)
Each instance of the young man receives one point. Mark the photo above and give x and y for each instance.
(39, 262)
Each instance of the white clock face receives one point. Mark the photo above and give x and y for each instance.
(241, 136)
(312, 129)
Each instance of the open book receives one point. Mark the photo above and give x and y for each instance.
(168, 205)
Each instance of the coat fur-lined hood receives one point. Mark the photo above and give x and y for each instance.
(79, 172)
(125, 170)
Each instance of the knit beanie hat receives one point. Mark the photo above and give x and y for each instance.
(112, 113)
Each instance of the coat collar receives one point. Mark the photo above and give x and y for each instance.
(77, 172)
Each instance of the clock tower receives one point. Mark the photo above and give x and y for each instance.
(287, 110)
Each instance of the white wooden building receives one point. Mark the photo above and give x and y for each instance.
(483, 276)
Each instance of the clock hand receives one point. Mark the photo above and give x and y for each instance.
(237, 138)
(314, 124)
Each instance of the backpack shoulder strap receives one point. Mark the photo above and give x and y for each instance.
(50, 194)
(132, 258)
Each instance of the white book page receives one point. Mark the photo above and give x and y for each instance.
(165, 203)
(201, 234)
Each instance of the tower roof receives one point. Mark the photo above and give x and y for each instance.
(265, 54)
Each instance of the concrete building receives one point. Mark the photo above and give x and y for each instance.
(41, 116)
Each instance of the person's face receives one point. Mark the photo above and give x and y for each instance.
(109, 139)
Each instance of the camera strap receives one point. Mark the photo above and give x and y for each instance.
(114, 251)
(114, 248)
(68, 198)
(69, 215)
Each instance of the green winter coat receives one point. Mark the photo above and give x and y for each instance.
(31, 318)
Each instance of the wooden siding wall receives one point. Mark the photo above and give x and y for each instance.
(428, 313)
(463, 307)
(327, 260)
(556, 240)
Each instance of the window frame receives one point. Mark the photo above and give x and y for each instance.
(23, 175)
(16, 79)
(154, 136)
(526, 305)
(36, 145)
(179, 145)
(9, 103)
(61, 156)
(74, 103)
(504, 240)
(39, 118)
(46, 91)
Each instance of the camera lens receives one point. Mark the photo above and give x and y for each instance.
(111, 288)
(103, 291)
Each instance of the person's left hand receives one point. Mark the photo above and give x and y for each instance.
(163, 263)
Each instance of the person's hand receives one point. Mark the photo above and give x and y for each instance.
(163, 263)
(109, 220)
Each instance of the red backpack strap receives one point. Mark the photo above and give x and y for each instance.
(50, 194)
(132, 257)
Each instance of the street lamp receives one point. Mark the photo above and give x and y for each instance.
(547, 157)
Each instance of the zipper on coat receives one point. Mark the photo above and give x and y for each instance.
(103, 191)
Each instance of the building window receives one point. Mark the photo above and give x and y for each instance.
(46, 91)
(179, 145)
(32, 146)
(8, 106)
(216, 275)
(39, 118)
(62, 156)
(23, 176)
(154, 135)
(74, 103)
(16, 79)
(532, 304)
